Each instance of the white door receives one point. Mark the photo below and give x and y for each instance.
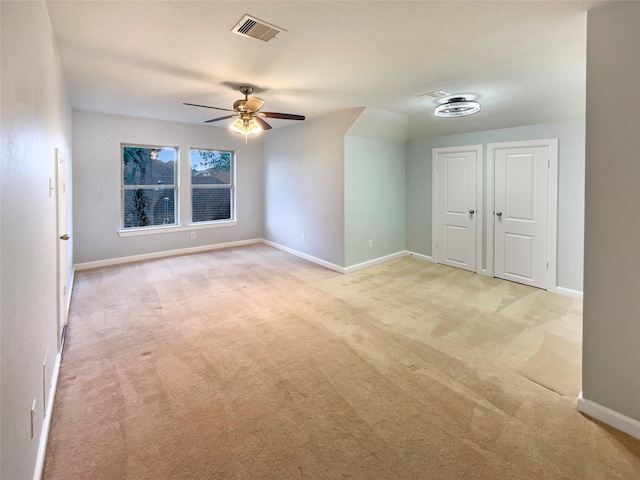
(521, 194)
(457, 209)
(62, 237)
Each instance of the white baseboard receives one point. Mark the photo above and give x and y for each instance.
(617, 420)
(318, 261)
(166, 253)
(352, 268)
(567, 292)
(46, 424)
(70, 281)
(183, 251)
(334, 267)
(375, 261)
(419, 256)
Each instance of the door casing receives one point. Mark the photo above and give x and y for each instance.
(61, 245)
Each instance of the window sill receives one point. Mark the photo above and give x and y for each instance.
(133, 232)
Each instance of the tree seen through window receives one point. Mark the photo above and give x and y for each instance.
(211, 185)
(148, 186)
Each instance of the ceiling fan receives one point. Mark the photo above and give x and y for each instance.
(250, 119)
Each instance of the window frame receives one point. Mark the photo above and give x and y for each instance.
(232, 220)
(175, 187)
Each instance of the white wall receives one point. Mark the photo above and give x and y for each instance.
(374, 186)
(304, 186)
(97, 170)
(611, 325)
(36, 119)
(570, 188)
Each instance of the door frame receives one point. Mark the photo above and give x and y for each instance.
(63, 293)
(552, 204)
(479, 198)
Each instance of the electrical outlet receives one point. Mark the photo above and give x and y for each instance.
(303, 238)
(193, 234)
(370, 243)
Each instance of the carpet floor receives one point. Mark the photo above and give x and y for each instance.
(250, 363)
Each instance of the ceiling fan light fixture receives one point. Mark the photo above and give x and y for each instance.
(250, 119)
(245, 127)
(457, 107)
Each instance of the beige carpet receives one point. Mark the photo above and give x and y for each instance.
(250, 363)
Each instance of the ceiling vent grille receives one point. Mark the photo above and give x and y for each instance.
(251, 27)
(435, 94)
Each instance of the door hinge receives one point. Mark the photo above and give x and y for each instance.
(547, 264)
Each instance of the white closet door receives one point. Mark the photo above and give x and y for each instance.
(521, 182)
(456, 198)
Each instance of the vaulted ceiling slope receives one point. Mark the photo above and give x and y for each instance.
(523, 61)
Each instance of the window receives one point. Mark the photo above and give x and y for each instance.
(149, 189)
(211, 185)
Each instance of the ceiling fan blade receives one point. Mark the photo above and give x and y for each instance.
(263, 124)
(253, 104)
(207, 106)
(283, 116)
(217, 119)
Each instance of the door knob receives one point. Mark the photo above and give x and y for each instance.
(499, 214)
(65, 237)
(472, 211)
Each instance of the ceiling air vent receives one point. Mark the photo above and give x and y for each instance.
(435, 94)
(250, 26)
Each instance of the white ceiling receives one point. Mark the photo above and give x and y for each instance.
(523, 61)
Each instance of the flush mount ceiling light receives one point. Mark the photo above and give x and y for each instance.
(457, 107)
